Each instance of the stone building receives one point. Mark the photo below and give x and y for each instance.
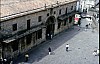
(26, 23)
(85, 5)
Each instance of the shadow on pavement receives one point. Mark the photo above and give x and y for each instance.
(40, 51)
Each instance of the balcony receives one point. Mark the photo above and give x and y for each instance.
(65, 16)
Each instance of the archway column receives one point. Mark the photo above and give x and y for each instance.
(56, 25)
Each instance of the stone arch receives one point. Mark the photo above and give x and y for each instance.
(50, 26)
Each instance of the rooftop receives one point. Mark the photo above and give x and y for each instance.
(12, 8)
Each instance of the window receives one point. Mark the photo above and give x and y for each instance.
(59, 24)
(81, 6)
(39, 18)
(28, 39)
(14, 27)
(54, 12)
(66, 11)
(59, 11)
(71, 7)
(64, 22)
(51, 10)
(15, 45)
(75, 8)
(22, 43)
(70, 19)
(47, 14)
(39, 33)
(28, 24)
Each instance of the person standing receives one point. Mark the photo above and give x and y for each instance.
(87, 26)
(49, 50)
(5, 61)
(51, 36)
(67, 46)
(48, 36)
(79, 22)
(26, 57)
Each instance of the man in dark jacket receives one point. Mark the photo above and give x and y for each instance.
(49, 50)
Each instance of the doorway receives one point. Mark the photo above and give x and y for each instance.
(50, 27)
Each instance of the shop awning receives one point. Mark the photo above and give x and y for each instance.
(8, 40)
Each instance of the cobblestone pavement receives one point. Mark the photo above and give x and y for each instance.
(81, 42)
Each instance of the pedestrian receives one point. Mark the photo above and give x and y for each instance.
(11, 60)
(48, 36)
(96, 52)
(89, 23)
(51, 36)
(4, 61)
(86, 26)
(49, 50)
(79, 22)
(67, 46)
(26, 57)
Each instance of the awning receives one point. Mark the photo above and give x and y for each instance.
(65, 16)
(9, 40)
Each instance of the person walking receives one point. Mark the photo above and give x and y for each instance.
(67, 46)
(49, 50)
(26, 57)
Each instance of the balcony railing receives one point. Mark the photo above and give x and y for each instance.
(65, 16)
(21, 33)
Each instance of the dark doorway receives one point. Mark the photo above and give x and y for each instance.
(50, 26)
(70, 19)
(28, 24)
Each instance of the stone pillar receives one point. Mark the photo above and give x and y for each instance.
(56, 25)
(44, 33)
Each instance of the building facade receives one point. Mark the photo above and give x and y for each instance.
(85, 5)
(26, 24)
